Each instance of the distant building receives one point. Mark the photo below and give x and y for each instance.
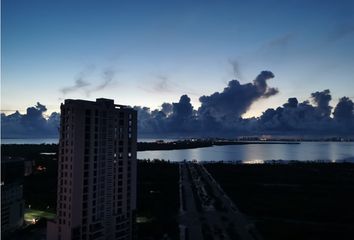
(96, 196)
(12, 203)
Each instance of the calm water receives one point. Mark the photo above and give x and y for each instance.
(312, 151)
(29, 141)
(257, 153)
(56, 140)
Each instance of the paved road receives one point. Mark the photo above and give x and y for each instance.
(218, 217)
(189, 217)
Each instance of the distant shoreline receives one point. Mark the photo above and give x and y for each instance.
(35, 150)
(161, 145)
(188, 144)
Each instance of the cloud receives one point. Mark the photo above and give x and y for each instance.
(281, 41)
(178, 117)
(322, 99)
(108, 76)
(236, 98)
(235, 68)
(219, 115)
(81, 82)
(32, 124)
(166, 108)
(292, 103)
(183, 116)
(163, 84)
(219, 112)
(344, 110)
(107, 80)
(307, 119)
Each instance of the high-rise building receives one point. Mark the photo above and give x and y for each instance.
(96, 196)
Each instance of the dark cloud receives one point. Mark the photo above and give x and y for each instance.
(183, 116)
(167, 108)
(32, 124)
(183, 109)
(322, 99)
(344, 111)
(150, 121)
(307, 119)
(178, 117)
(292, 103)
(220, 114)
(235, 99)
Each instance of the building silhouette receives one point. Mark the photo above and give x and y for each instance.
(96, 196)
(12, 203)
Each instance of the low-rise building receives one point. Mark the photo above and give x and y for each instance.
(12, 203)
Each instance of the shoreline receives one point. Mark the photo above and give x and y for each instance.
(173, 145)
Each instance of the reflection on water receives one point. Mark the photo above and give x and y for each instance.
(253, 161)
(56, 140)
(258, 153)
(250, 153)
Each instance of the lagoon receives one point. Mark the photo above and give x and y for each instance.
(258, 153)
(248, 153)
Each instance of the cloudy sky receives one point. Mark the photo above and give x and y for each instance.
(150, 52)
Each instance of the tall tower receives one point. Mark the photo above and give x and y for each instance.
(96, 196)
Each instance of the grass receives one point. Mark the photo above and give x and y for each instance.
(158, 200)
(292, 201)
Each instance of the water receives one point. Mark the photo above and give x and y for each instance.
(258, 153)
(56, 140)
(250, 153)
(29, 140)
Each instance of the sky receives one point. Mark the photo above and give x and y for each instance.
(148, 52)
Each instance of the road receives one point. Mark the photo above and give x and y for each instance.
(190, 225)
(206, 212)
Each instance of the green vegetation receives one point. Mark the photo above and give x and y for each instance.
(197, 201)
(185, 144)
(292, 201)
(40, 188)
(158, 195)
(31, 214)
(30, 151)
(158, 200)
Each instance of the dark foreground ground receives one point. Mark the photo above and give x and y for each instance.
(157, 202)
(287, 201)
(293, 201)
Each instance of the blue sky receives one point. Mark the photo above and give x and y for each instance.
(159, 50)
